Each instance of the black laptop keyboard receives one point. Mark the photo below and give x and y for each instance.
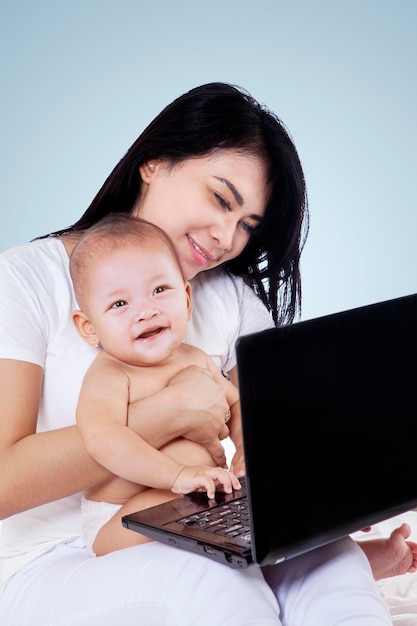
(230, 520)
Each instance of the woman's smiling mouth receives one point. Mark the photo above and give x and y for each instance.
(201, 255)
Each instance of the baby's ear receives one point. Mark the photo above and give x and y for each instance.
(85, 328)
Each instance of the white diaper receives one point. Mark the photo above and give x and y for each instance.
(93, 517)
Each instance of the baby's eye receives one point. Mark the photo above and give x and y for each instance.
(160, 289)
(118, 304)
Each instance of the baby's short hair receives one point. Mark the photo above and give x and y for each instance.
(116, 230)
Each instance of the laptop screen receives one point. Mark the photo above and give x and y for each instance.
(337, 397)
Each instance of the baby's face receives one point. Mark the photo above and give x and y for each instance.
(138, 303)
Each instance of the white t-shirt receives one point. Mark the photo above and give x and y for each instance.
(35, 325)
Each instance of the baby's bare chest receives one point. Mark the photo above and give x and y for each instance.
(145, 381)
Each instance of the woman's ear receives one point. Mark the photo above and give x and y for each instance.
(189, 298)
(148, 169)
(85, 328)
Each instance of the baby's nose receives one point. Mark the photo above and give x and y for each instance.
(148, 314)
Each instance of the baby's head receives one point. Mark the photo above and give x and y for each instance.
(133, 298)
(114, 232)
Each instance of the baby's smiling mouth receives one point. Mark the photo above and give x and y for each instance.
(151, 333)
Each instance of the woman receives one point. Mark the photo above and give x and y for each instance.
(220, 174)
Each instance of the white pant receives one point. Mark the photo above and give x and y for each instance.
(156, 585)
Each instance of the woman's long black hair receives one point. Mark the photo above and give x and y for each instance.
(222, 116)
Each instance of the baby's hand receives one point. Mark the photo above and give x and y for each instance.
(193, 478)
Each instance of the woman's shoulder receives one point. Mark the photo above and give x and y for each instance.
(37, 299)
(36, 282)
(224, 307)
(219, 282)
(39, 262)
(230, 292)
(37, 251)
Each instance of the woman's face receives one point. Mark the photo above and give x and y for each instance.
(208, 206)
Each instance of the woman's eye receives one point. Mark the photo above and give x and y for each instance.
(118, 304)
(248, 228)
(223, 203)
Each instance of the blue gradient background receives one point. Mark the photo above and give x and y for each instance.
(80, 80)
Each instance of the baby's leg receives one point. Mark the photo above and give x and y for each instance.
(391, 556)
(113, 535)
(187, 452)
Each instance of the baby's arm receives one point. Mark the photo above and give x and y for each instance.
(102, 420)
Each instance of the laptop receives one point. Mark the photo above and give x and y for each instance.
(329, 417)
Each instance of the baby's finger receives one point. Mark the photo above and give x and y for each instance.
(228, 480)
(208, 484)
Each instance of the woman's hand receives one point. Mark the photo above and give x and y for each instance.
(204, 409)
(192, 406)
(237, 465)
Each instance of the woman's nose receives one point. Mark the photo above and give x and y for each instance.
(224, 234)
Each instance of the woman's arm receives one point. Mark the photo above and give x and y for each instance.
(192, 406)
(40, 468)
(234, 422)
(238, 462)
(36, 468)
